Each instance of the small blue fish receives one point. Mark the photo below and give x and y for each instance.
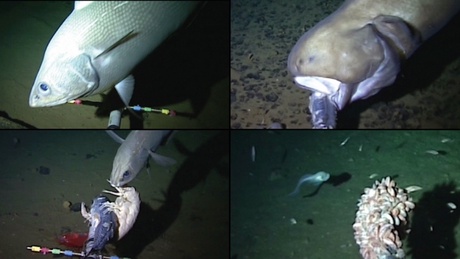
(314, 179)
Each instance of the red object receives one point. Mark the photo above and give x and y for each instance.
(76, 240)
(78, 101)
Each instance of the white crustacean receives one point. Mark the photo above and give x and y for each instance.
(126, 207)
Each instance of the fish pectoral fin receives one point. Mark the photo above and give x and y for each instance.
(119, 42)
(162, 160)
(125, 89)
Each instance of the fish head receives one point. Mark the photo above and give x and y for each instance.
(63, 79)
(123, 173)
(126, 165)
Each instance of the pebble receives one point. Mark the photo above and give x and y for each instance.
(253, 76)
(66, 204)
(451, 205)
(76, 207)
(43, 170)
(272, 97)
(233, 96)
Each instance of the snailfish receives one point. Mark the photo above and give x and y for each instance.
(315, 179)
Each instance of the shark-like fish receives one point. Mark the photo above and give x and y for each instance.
(134, 152)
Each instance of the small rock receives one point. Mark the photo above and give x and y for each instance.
(272, 97)
(43, 170)
(233, 96)
(76, 207)
(66, 205)
(253, 76)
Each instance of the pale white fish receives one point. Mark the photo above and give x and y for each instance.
(315, 179)
(253, 154)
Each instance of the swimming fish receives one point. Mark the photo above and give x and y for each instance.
(133, 154)
(99, 44)
(314, 179)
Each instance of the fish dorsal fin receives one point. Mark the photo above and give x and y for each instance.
(124, 39)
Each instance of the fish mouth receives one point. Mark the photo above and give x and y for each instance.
(323, 85)
(35, 100)
(112, 184)
(54, 98)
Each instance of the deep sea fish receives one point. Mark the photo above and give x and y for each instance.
(134, 152)
(103, 224)
(314, 179)
(358, 50)
(99, 44)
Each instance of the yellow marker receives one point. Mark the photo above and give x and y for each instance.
(35, 248)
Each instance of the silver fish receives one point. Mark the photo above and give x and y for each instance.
(134, 152)
(99, 44)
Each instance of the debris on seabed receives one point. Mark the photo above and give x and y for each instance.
(344, 142)
(372, 176)
(451, 205)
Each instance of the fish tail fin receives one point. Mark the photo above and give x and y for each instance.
(294, 193)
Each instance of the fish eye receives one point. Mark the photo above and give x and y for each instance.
(125, 174)
(44, 87)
